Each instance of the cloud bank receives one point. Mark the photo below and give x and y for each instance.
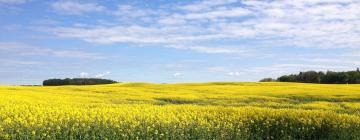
(301, 23)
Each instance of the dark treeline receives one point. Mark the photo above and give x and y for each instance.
(329, 77)
(77, 81)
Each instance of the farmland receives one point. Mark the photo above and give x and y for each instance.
(219, 110)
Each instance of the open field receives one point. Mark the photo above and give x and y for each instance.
(181, 111)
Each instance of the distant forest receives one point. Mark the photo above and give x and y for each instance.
(329, 77)
(77, 81)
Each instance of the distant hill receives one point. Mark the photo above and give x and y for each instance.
(77, 81)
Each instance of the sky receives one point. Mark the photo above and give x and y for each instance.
(168, 41)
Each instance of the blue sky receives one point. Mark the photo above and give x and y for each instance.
(175, 41)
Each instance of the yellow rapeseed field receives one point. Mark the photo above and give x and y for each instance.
(181, 111)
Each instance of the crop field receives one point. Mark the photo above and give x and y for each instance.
(181, 111)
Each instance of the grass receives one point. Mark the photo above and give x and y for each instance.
(219, 110)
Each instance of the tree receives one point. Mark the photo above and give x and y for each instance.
(77, 81)
(309, 77)
(288, 78)
(330, 77)
(267, 80)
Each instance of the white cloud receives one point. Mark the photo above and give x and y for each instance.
(206, 5)
(76, 8)
(302, 23)
(24, 49)
(13, 1)
(84, 75)
(331, 24)
(101, 75)
(75, 54)
(19, 62)
(234, 73)
(132, 15)
(221, 13)
(87, 75)
(218, 50)
(171, 21)
(210, 49)
(177, 74)
(116, 34)
(10, 46)
(128, 10)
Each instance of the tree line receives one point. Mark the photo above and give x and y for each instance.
(329, 77)
(77, 81)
